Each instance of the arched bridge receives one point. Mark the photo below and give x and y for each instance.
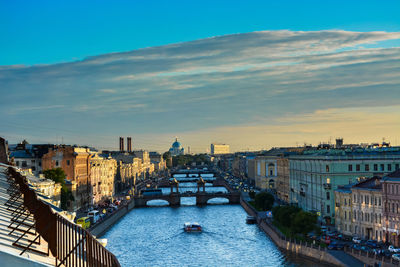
(174, 199)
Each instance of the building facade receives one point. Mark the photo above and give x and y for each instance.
(367, 207)
(315, 174)
(391, 199)
(282, 179)
(218, 149)
(102, 173)
(29, 156)
(266, 172)
(343, 210)
(75, 161)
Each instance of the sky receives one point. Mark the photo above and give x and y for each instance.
(253, 74)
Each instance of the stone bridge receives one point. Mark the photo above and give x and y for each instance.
(174, 199)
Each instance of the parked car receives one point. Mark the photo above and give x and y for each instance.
(393, 249)
(312, 235)
(94, 216)
(372, 243)
(356, 240)
(334, 245)
(396, 257)
(84, 222)
(326, 239)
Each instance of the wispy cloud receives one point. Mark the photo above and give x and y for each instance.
(223, 81)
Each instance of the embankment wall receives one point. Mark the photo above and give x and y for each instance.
(303, 249)
(103, 226)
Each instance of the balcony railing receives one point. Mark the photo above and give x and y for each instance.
(70, 244)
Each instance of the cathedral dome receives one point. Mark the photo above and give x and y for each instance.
(176, 144)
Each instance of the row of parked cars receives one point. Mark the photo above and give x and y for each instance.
(337, 241)
(97, 214)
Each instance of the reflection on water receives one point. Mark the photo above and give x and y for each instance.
(155, 237)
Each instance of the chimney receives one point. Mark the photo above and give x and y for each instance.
(339, 142)
(129, 144)
(121, 144)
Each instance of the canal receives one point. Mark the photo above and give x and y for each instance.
(155, 237)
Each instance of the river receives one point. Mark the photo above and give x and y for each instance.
(154, 237)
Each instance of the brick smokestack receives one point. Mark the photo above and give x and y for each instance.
(121, 144)
(129, 144)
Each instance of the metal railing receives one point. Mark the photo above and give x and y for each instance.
(70, 244)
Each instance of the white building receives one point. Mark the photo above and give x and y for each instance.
(217, 149)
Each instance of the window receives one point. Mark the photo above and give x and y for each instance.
(33, 161)
(375, 167)
(328, 209)
(328, 180)
(355, 215)
(382, 167)
(57, 163)
(355, 199)
(68, 162)
(327, 168)
(350, 167)
(358, 167)
(345, 201)
(397, 167)
(17, 163)
(389, 167)
(33, 168)
(379, 201)
(328, 196)
(40, 163)
(345, 215)
(24, 164)
(367, 167)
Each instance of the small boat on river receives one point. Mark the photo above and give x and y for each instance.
(192, 227)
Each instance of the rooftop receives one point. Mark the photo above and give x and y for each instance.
(9, 253)
(371, 183)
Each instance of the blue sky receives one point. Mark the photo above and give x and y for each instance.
(44, 32)
(277, 74)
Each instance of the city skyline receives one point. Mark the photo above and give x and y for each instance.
(286, 85)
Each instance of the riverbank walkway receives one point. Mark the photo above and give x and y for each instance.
(346, 258)
(10, 254)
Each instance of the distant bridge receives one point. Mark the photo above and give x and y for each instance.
(193, 173)
(174, 199)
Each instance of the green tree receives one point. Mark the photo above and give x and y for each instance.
(167, 157)
(264, 201)
(57, 175)
(252, 194)
(304, 222)
(66, 195)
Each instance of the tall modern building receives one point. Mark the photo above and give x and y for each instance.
(176, 148)
(315, 174)
(218, 149)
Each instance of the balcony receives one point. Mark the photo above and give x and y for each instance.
(327, 186)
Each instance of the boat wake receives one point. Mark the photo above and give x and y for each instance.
(227, 236)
